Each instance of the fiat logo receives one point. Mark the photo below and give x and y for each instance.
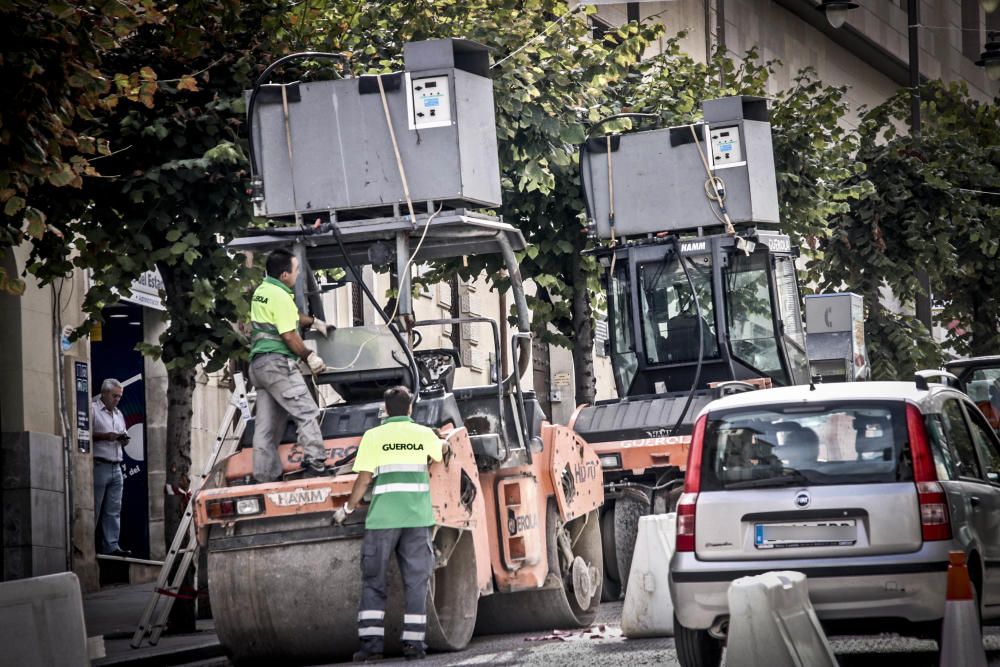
(802, 499)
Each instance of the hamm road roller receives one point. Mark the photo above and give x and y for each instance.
(517, 538)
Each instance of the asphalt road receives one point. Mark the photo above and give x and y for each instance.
(604, 645)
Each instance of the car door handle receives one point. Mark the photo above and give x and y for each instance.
(974, 501)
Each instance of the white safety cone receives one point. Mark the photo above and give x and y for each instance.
(648, 610)
(961, 636)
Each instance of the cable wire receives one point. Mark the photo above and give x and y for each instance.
(717, 187)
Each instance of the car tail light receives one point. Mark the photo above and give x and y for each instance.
(685, 522)
(934, 521)
(232, 507)
(688, 501)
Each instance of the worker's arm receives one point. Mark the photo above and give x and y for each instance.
(295, 343)
(358, 492)
(305, 321)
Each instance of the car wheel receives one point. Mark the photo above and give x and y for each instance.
(696, 648)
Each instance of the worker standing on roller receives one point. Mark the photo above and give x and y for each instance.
(281, 390)
(399, 520)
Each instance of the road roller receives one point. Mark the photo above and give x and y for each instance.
(517, 537)
(377, 176)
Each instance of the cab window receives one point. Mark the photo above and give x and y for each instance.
(750, 317)
(623, 358)
(670, 316)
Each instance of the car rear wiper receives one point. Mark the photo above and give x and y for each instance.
(788, 477)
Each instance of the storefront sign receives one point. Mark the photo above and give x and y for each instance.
(146, 290)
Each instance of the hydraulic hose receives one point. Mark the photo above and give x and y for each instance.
(701, 336)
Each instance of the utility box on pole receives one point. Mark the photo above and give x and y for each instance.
(325, 146)
(657, 180)
(836, 341)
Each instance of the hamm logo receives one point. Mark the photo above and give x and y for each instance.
(299, 497)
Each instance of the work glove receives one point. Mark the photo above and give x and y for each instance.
(315, 363)
(320, 326)
(341, 514)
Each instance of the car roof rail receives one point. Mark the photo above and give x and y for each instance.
(924, 378)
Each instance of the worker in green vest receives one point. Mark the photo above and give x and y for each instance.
(275, 349)
(395, 455)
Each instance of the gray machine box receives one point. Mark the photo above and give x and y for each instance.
(334, 150)
(836, 341)
(659, 179)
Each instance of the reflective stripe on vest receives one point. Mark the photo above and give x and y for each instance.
(401, 467)
(400, 488)
(263, 331)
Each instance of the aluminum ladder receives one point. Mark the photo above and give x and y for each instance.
(185, 544)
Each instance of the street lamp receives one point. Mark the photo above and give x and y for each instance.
(990, 58)
(989, 6)
(836, 10)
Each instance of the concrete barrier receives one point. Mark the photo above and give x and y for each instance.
(773, 624)
(41, 622)
(648, 609)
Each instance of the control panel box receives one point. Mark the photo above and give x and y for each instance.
(836, 342)
(326, 146)
(658, 178)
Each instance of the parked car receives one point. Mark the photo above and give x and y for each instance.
(863, 487)
(979, 377)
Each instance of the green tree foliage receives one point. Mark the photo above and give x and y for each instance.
(52, 69)
(172, 193)
(555, 81)
(934, 203)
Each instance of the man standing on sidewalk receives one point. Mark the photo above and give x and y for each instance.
(275, 348)
(110, 437)
(399, 520)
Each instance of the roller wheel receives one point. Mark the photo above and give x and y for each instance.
(696, 648)
(297, 602)
(453, 596)
(626, 519)
(612, 583)
(576, 563)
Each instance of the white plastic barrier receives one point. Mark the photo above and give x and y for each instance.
(41, 622)
(648, 609)
(773, 624)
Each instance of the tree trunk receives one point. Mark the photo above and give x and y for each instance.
(180, 390)
(583, 335)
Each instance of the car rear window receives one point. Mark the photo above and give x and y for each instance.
(835, 443)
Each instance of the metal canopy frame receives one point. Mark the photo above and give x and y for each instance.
(451, 234)
(455, 233)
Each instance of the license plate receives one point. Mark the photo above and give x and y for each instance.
(835, 533)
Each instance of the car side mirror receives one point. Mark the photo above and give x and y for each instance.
(993, 477)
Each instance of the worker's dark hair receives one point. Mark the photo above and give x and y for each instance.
(278, 262)
(397, 401)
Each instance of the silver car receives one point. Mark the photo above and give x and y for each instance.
(863, 487)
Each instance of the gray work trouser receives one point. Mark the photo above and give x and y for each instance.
(415, 556)
(282, 393)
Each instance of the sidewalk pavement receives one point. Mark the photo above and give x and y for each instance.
(113, 612)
